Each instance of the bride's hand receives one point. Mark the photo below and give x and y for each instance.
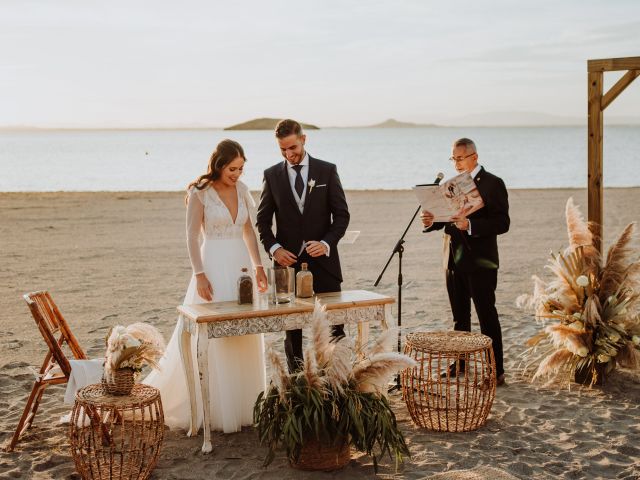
(205, 290)
(261, 279)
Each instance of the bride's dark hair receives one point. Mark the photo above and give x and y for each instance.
(226, 151)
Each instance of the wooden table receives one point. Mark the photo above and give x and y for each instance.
(226, 319)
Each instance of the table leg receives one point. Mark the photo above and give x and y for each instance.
(387, 317)
(187, 364)
(363, 338)
(203, 367)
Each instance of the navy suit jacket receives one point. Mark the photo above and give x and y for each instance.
(325, 215)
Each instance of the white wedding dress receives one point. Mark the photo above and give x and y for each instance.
(236, 364)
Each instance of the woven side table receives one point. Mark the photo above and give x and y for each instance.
(116, 437)
(436, 397)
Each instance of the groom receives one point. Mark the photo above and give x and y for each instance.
(311, 213)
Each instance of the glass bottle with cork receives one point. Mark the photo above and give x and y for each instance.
(304, 283)
(245, 288)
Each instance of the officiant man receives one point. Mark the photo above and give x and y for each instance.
(471, 252)
(311, 216)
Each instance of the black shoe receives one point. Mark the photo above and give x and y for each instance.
(500, 380)
(454, 370)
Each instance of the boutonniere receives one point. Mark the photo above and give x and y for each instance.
(312, 183)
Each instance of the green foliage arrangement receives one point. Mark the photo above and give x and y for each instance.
(337, 397)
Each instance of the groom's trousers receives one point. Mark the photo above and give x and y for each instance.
(323, 282)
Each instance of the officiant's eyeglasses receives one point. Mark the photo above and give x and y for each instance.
(459, 159)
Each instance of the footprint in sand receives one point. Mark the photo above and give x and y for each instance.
(12, 344)
(103, 327)
(14, 365)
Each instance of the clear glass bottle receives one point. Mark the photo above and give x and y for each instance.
(304, 283)
(245, 288)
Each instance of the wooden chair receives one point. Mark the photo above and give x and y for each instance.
(55, 367)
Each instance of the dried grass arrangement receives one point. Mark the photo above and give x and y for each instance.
(132, 347)
(336, 399)
(589, 309)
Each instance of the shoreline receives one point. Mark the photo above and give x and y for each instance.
(579, 124)
(254, 191)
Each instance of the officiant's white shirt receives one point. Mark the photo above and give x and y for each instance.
(476, 171)
(304, 173)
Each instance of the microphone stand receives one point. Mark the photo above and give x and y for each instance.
(399, 249)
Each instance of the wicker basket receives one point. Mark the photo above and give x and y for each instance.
(116, 437)
(583, 375)
(319, 457)
(444, 400)
(122, 383)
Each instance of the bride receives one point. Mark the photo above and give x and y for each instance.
(217, 211)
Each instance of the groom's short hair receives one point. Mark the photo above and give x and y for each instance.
(287, 127)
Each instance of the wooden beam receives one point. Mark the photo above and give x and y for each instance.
(613, 64)
(595, 132)
(619, 87)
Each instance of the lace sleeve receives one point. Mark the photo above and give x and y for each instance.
(195, 219)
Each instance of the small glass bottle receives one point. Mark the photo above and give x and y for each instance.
(304, 283)
(245, 288)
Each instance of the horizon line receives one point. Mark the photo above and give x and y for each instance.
(331, 127)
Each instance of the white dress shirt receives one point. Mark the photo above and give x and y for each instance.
(304, 173)
(476, 171)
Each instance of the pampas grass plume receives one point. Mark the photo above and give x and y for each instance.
(553, 363)
(384, 343)
(373, 374)
(320, 336)
(279, 375)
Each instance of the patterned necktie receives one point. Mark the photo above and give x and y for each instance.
(298, 184)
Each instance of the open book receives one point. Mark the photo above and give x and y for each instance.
(457, 195)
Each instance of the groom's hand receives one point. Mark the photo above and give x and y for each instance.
(316, 249)
(284, 257)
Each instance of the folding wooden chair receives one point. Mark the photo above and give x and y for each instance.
(55, 368)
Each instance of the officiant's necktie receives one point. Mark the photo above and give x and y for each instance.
(298, 184)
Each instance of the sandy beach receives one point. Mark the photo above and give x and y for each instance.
(118, 258)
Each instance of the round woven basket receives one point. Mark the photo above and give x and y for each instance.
(319, 457)
(116, 437)
(454, 384)
(122, 383)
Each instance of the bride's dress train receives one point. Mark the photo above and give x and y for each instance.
(236, 364)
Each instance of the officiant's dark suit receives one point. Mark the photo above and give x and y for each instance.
(319, 216)
(471, 252)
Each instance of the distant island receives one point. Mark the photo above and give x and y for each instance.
(265, 124)
(392, 123)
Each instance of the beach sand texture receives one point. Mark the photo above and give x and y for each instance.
(117, 258)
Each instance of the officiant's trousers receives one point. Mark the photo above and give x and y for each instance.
(480, 286)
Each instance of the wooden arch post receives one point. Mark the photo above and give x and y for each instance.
(597, 102)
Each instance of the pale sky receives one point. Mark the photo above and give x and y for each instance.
(83, 63)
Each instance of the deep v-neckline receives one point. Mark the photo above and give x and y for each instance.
(226, 207)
